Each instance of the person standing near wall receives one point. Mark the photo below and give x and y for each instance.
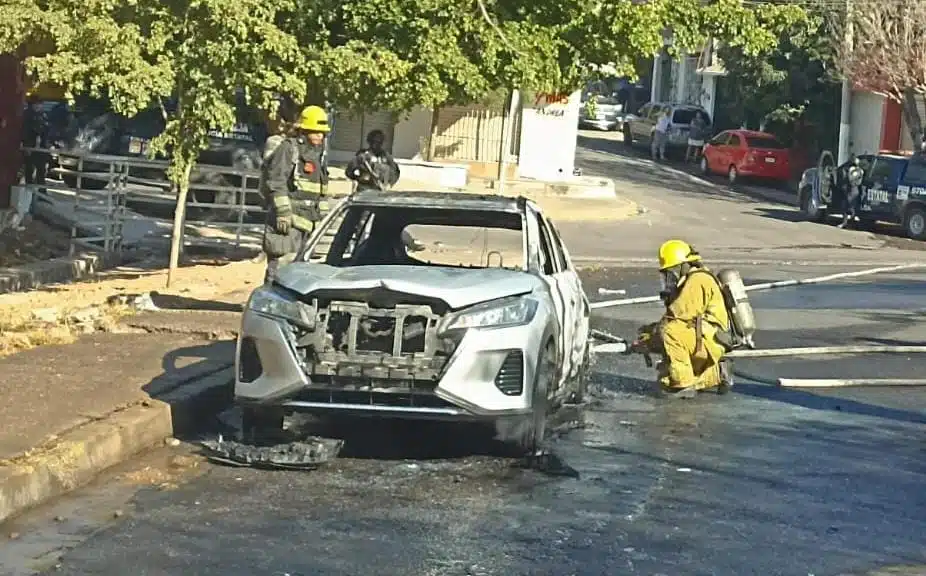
(696, 134)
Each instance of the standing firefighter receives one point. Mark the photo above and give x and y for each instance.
(373, 167)
(294, 179)
(695, 332)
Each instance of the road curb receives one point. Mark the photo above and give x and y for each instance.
(55, 271)
(76, 457)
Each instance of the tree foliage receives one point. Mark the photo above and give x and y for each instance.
(357, 54)
(138, 53)
(881, 48)
(794, 79)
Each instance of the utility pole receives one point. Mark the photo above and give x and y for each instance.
(845, 106)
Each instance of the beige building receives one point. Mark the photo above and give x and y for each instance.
(543, 137)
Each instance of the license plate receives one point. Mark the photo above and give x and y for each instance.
(770, 160)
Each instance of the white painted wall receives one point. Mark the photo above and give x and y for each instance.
(548, 139)
(409, 134)
(708, 93)
(866, 121)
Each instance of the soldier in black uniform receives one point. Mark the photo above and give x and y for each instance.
(850, 180)
(294, 179)
(373, 167)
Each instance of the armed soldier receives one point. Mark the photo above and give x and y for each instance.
(850, 184)
(373, 167)
(294, 179)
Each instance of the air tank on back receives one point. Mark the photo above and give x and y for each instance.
(742, 318)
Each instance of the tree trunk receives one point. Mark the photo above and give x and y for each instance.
(911, 115)
(182, 186)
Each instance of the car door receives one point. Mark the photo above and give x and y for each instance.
(715, 151)
(638, 119)
(733, 152)
(577, 343)
(875, 194)
(550, 274)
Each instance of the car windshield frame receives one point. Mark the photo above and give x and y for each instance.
(351, 216)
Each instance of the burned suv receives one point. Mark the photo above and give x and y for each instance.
(481, 318)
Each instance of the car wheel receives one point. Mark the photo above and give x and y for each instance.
(532, 437)
(810, 207)
(580, 382)
(914, 223)
(628, 135)
(732, 174)
(705, 169)
(261, 424)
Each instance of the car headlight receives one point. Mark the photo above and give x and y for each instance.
(507, 312)
(273, 303)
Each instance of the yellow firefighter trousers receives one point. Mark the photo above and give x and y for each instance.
(689, 366)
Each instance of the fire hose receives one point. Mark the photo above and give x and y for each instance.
(617, 344)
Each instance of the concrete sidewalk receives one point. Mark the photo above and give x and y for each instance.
(71, 411)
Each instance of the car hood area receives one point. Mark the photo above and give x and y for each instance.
(457, 287)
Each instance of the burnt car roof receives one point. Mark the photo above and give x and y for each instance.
(440, 200)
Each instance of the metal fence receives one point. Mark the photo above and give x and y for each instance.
(111, 201)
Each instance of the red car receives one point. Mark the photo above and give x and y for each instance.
(745, 153)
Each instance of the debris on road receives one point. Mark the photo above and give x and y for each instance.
(306, 454)
(548, 462)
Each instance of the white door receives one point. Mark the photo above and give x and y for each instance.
(549, 270)
(575, 295)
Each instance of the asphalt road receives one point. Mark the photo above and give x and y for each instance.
(761, 481)
(723, 221)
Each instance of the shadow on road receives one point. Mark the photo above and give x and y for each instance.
(826, 403)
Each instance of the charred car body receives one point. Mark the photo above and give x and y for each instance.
(368, 329)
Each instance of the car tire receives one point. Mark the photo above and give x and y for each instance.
(628, 135)
(732, 175)
(261, 425)
(914, 223)
(580, 382)
(705, 168)
(809, 207)
(532, 436)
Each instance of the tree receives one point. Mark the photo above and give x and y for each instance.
(139, 53)
(790, 81)
(881, 48)
(396, 54)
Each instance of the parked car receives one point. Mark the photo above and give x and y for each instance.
(893, 190)
(638, 128)
(746, 153)
(605, 114)
(368, 327)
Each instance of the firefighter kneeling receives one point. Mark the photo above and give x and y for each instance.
(706, 317)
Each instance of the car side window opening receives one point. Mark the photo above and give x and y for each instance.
(720, 139)
(881, 171)
(557, 247)
(546, 252)
(916, 172)
(734, 141)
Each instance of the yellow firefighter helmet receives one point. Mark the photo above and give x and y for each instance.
(675, 252)
(313, 119)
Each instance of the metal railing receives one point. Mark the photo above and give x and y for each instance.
(111, 201)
